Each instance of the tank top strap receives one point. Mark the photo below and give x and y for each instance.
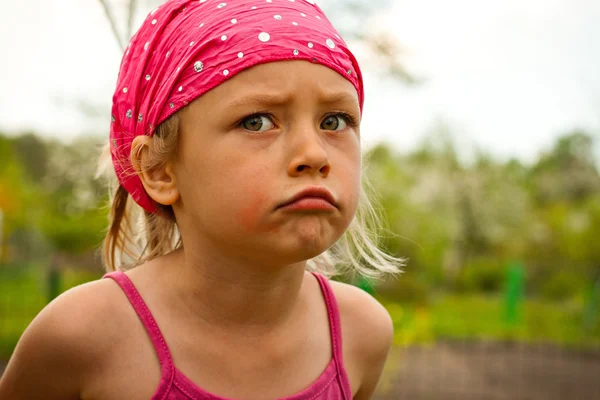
(143, 312)
(335, 327)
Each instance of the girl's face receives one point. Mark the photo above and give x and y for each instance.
(251, 144)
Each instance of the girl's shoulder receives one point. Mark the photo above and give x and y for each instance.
(66, 343)
(86, 314)
(362, 316)
(367, 333)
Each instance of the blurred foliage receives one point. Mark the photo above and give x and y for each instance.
(482, 275)
(460, 224)
(50, 199)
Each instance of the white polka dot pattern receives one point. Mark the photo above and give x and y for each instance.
(264, 37)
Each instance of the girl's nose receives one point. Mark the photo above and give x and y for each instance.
(308, 155)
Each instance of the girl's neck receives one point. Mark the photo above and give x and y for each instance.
(223, 294)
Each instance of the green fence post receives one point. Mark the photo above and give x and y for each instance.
(515, 275)
(366, 285)
(53, 282)
(590, 314)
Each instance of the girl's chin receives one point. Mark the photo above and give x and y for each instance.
(303, 252)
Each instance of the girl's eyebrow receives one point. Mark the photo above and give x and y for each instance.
(338, 97)
(262, 99)
(271, 99)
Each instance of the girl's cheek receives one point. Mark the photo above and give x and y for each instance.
(249, 211)
(255, 198)
(252, 209)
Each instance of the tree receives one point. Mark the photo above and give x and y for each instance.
(568, 171)
(17, 195)
(49, 197)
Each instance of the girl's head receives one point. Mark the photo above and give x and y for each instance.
(223, 113)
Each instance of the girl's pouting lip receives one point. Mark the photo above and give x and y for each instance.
(309, 204)
(311, 199)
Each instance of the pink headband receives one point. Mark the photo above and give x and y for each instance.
(185, 48)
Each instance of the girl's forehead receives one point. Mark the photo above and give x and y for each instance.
(283, 82)
(282, 75)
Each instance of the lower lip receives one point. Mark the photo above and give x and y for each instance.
(310, 203)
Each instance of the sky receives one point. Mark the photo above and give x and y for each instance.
(504, 77)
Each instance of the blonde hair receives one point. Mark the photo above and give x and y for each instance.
(135, 236)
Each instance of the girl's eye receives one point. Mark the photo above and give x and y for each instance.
(334, 123)
(257, 123)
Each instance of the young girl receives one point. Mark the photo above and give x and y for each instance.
(235, 137)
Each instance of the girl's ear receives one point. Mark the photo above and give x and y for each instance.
(160, 181)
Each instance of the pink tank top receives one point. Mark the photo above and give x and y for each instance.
(333, 383)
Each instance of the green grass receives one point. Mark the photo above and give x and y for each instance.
(478, 317)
